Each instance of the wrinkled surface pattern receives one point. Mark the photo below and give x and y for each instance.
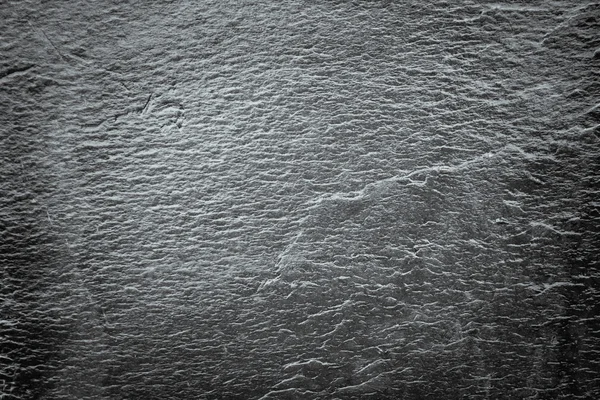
(299, 200)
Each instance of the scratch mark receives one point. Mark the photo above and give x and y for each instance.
(145, 108)
(49, 41)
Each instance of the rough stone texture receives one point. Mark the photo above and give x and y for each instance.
(299, 200)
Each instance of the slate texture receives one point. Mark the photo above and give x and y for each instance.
(299, 199)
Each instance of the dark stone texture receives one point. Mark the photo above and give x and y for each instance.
(299, 200)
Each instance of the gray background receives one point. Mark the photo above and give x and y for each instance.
(299, 200)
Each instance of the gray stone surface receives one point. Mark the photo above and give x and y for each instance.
(299, 200)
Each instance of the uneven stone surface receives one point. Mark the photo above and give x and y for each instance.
(299, 200)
